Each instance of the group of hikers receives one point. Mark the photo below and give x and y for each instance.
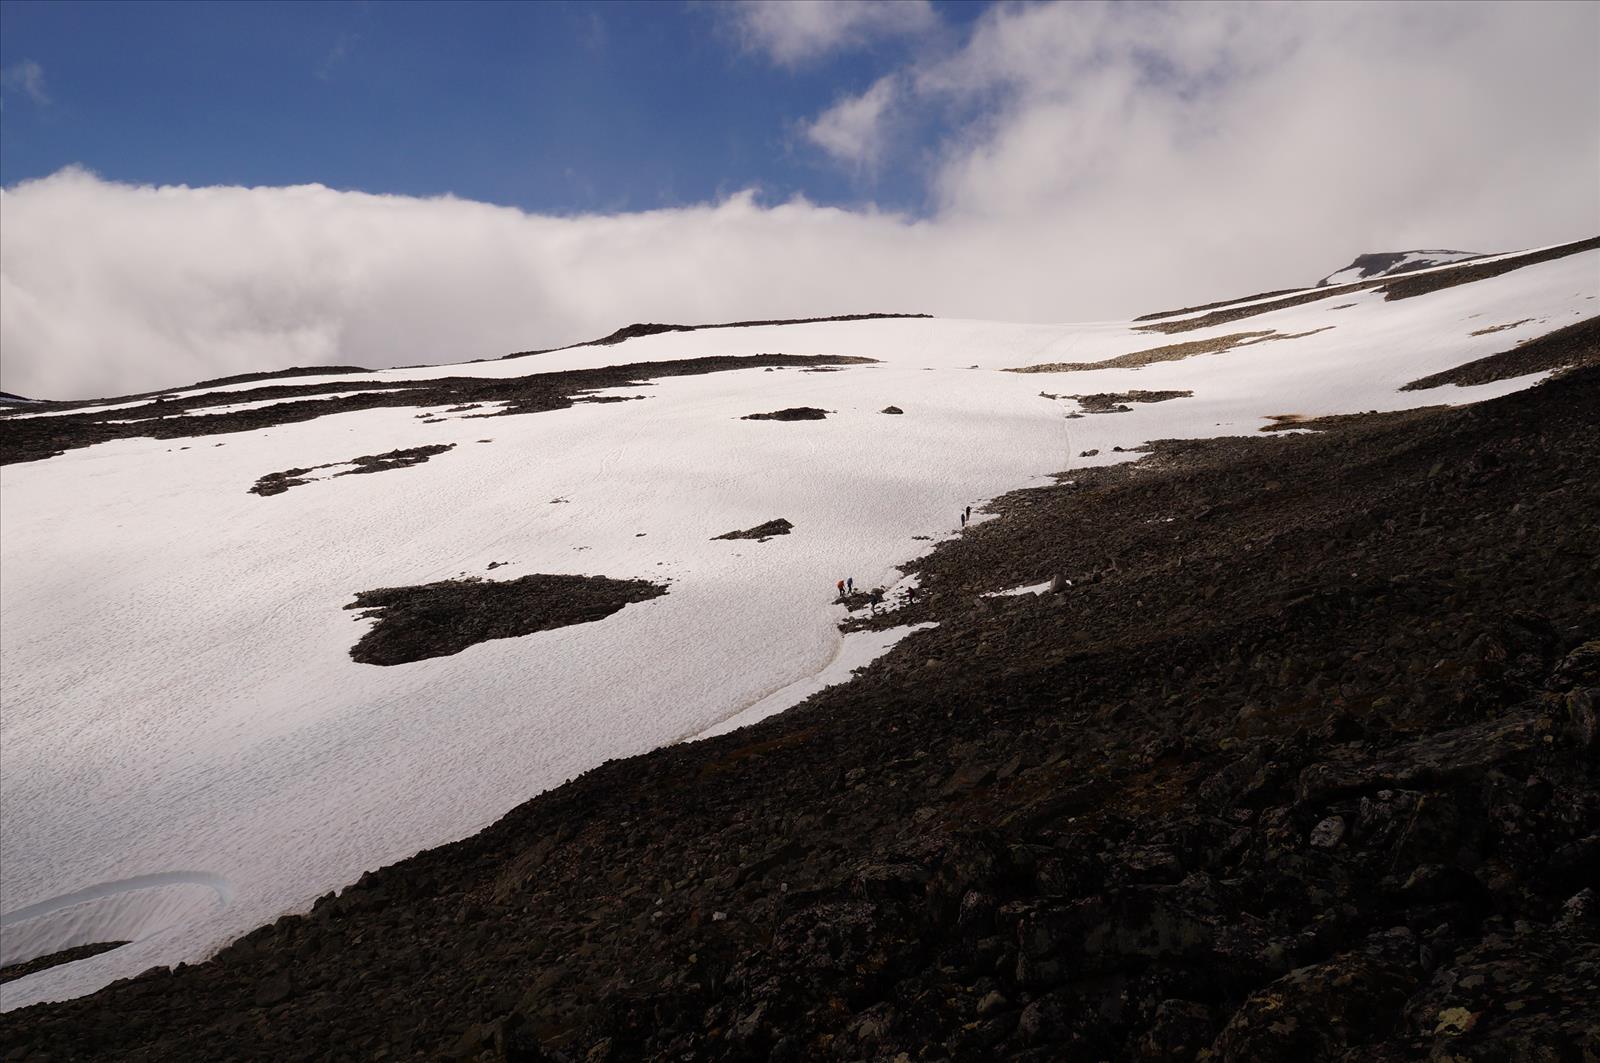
(847, 586)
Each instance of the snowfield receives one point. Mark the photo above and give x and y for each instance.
(187, 750)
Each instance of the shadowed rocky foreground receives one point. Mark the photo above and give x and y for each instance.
(1302, 766)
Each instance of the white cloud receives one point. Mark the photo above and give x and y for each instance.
(792, 32)
(337, 55)
(27, 76)
(108, 288)
(852, 130)
(1374, 120)
(1099, 162)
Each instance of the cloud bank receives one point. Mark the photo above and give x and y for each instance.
(1094, 162)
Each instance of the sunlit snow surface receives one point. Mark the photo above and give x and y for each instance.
(187, 750)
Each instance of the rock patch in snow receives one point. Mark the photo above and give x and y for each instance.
(761, 532)
(395, 459)
(276, 483)
(608, 398)
(1499, 328)
(1170, 352)
(1117, 401)
(793, 413)
(441, 619)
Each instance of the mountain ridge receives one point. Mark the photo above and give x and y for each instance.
(997, 741)
(823, 886)
(1391, 263)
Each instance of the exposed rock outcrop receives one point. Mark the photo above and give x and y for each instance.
(761, 532)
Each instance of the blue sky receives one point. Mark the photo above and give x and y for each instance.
(552, 107)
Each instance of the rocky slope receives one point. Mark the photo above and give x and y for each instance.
(1303, 766)
(1390, 263)
(187, 416)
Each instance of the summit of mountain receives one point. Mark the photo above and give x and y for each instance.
(1389, 263)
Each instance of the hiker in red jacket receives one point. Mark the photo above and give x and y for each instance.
(840, 585)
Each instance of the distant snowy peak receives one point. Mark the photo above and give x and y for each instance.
(1388, 263)
(8, 399)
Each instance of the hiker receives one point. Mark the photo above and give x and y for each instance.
(963, 520)
(968, 513)
(840, 585)
(850, 585)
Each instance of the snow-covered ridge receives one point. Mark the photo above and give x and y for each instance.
(219, 733)
(1389, 263)
(1322, 288)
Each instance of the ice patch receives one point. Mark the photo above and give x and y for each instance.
(856, 650)
(1032, 588)
(131, 909)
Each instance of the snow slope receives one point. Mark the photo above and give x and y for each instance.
(187, 750)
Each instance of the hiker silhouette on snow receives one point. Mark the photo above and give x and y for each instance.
(850, 585)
